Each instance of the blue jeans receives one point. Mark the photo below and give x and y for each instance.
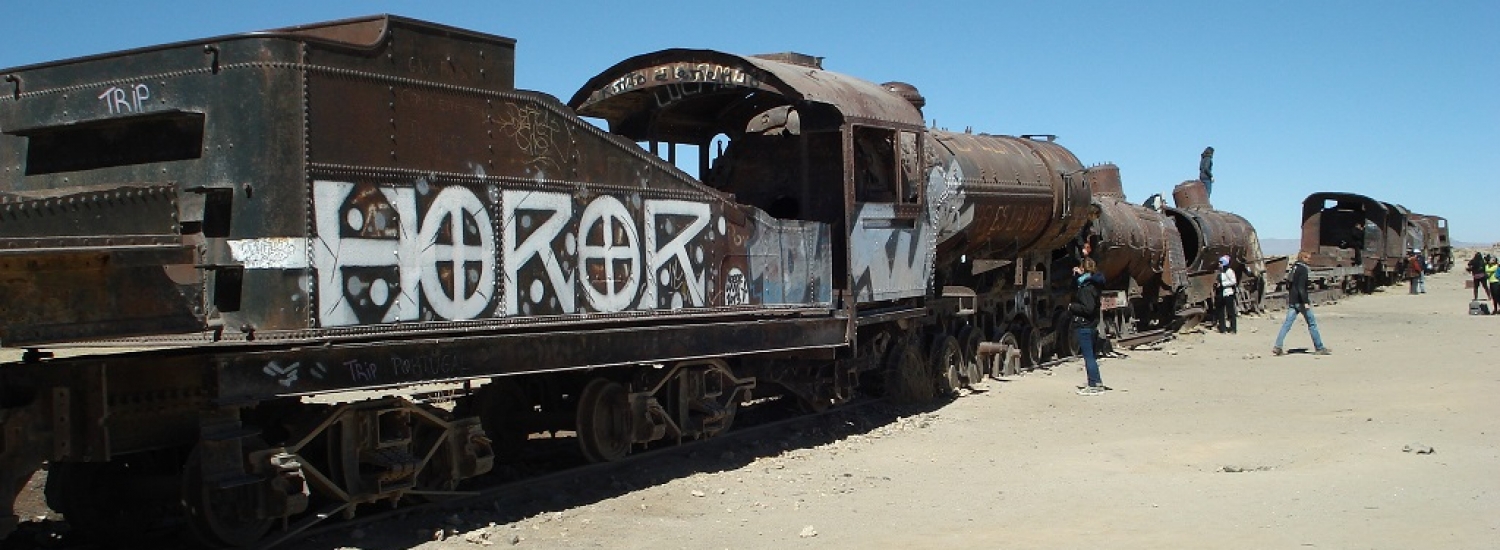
(1085, 337)
(1312, 325)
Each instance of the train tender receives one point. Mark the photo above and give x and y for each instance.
(272, 221)
(369, 204)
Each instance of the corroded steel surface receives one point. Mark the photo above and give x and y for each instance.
(1345, 230)
(634, 87)
(912, 198)
(377, 175)
(1104, 181)
(1191, 194)
(1017, 194)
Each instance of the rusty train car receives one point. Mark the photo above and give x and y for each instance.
(1433, 241)
(1357, 243)
(250, 234)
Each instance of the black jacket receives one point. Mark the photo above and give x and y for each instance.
(1085, 305)
(1476, 264)
(1296, 291)
(1206, 169)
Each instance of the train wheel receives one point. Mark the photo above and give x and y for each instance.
(1009, 364)
(908, 380)
(222, 517)
(1251, 293)
(1034, 351)
(947, 364)
(968, 344)
(505, 411)
(604, 421)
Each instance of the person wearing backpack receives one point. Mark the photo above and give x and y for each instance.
(1476, 274)
(1298, 302)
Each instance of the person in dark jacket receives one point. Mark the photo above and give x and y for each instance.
(1297, 301)
(1084, 311)
(1206, 170)
(1476, 274)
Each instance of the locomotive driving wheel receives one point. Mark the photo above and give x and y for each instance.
(222, 517)
(908, 381)
(1009, 363)
(968, 345)
(604, 421)
(947, 364)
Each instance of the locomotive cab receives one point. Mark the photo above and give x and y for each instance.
(778, 133)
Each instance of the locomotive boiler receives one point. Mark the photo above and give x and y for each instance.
(1139, 250)
(1208, 234)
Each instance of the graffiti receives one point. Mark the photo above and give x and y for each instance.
(392, 254)
(362, 371)
(535, 131)
(889, 261)
(269, 253)
(947, 201)
(383, 257)
(700, 77)
(288, 375)
(435, 365)
(130, 99)
(736, 289)
(545, 250)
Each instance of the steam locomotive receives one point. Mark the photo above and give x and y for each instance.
(250, 234)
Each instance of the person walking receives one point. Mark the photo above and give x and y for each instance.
(1226, 314)
(1297, 301)
(1476, 274)
(1084, 311)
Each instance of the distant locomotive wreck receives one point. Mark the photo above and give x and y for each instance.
(272, 222)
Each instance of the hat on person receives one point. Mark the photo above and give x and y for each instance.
(1223, 261)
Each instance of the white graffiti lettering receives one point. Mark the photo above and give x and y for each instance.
(609, 253)
(130, 99)
(558, 209)
(676, 247)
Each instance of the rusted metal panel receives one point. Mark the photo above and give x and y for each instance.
(1015, 194)
(1104, 181)
(347, 178)
(627, 91)
(1191, 194)
(1345, 230)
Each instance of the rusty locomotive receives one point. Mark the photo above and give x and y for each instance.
(250, 234)
(1160, 261)
(1357, 243)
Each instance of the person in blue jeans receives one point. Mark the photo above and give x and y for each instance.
(1084, 311)
(1297, 301)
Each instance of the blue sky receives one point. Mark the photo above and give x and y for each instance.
(1396, 100)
